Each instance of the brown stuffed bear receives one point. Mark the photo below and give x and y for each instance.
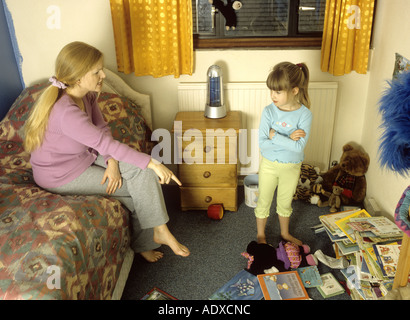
(334, 201)
(349, 174)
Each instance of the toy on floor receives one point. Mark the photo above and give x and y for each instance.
(309, 176)
(334, 201)
(228, 11)
(264, 258)
(331, 262)
(216, 211)
(349, 174)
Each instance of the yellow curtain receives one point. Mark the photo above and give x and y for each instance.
(153, 37)
(346, 36)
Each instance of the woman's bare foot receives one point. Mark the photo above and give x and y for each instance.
(152, 255)
(162, 235)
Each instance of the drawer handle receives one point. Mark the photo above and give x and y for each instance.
(208, 199)
(207, 149)
(207, 174)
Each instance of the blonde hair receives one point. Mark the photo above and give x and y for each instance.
(74, 61)
(285, 76)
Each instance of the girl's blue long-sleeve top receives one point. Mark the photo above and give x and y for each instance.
(281, 147)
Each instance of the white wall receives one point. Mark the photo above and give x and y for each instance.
(42, 31)
(90, 21)
(392, 23)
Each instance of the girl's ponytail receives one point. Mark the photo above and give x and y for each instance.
(303, 95)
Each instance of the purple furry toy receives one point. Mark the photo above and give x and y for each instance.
(395, 110)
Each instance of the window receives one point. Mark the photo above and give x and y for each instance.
(260, 23)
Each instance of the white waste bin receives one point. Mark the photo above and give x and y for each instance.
(251, 187)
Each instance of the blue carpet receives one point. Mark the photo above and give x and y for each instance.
(216, 248)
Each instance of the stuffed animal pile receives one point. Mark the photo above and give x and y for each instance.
(309, 176)
(334, 201)
(348, 175)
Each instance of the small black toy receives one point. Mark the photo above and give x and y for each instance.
(228, 11)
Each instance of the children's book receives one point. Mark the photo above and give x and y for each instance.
(336, 237)
(387, 258)
(331, 287)
(353, 282)
(329, 221)
(338, 252)
(318, 228)
(344, 226)
(282, 286)
(243, 286)
(379, 226)
(310, 276)
(346, 249)
(373, 264)
(157, 294)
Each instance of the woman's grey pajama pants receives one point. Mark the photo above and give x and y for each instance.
(141, 193)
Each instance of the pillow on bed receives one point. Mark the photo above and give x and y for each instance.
(126, 121)
(14, 160)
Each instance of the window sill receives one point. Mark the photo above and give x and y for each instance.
(256, 43)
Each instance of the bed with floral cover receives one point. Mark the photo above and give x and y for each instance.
(61, 247)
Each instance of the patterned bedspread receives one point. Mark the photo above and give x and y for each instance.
(60, 247)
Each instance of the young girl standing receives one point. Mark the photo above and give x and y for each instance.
(283, 133)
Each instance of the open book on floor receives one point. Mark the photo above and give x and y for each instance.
(243, 286)
(282, 286)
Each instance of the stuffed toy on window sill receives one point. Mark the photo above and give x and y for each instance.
(228, 11)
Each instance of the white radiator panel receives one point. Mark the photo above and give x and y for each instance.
(250, 99)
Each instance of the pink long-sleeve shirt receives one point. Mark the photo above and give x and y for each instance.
(73, 139)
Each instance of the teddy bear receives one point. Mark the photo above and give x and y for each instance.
(309, 175)
(334, 201)
(348, 174)
(228, 11)
(264, 258)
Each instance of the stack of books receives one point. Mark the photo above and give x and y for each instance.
(371, 244)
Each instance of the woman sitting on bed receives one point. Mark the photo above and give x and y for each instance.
(73, 151)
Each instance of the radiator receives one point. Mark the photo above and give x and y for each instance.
(250, 99)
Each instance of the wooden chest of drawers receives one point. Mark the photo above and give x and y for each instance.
(207, 159)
